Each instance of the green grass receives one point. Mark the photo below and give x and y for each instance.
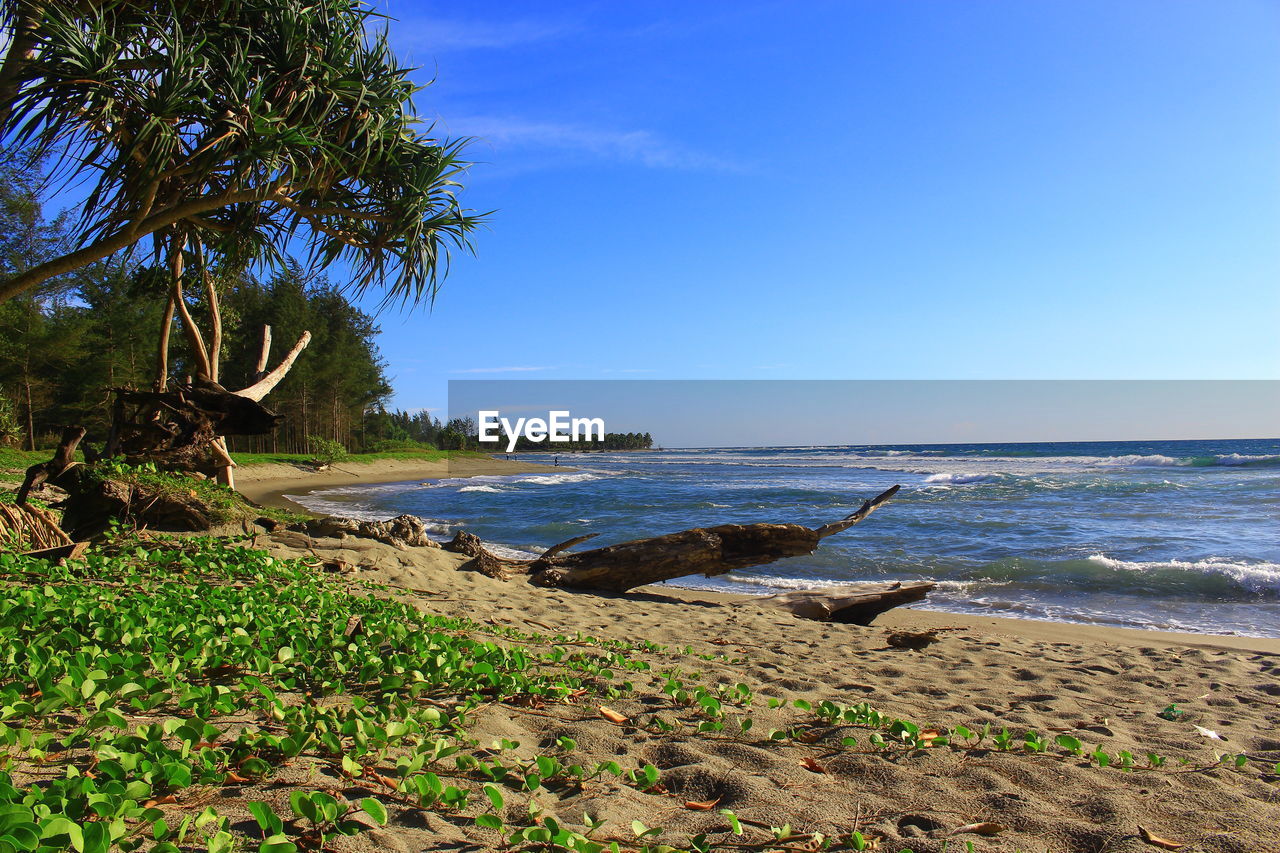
(307, 459)
(225, 505)
(177, 666)
(15, 461)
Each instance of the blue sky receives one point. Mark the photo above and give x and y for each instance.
(854, 190)
(898, 189)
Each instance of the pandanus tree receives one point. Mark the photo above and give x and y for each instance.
(227, 129)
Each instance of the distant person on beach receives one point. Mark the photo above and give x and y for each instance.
(557, 464)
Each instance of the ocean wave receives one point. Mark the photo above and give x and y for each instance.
(953, 478)
(1136, 461)
(1229, 460)
(492, 489)
(1235, 459)
(775, 583)
(557, 479)
(872, 454)
(1259, 577)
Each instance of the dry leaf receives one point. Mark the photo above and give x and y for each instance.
(1209, 733)
(985, 828)
(612, 715)
(706, 806)
(167, 799)
(233, 778)
(811, 764)
(928, 736)
(1157, 841)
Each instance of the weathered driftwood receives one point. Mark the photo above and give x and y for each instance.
(93, 502)
(857, 604)
(707, 551)
(182, 428)
(403, 531)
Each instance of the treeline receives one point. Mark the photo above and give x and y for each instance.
(66, 344)
(612, 441)
(402, 430)
(63, 346)
(406, 430)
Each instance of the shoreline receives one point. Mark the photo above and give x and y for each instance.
(908, 618)
(269, 484)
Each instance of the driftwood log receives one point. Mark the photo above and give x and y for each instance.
(181, 429)
(93, 502)
(708, 551)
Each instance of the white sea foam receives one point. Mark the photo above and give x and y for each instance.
(1243, 459)
(557, 479)
(1259, 576)
(773, 583)
(1136, 461)
(492, 489)
(882, 453)
(953, 478)
(510, 552)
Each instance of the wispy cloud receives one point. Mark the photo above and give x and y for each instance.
(500, 369)
(628, 146)
(441, 34)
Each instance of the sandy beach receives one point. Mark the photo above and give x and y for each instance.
(268, 484)
(1105, 687)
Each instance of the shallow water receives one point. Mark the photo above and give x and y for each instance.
(1166, 535)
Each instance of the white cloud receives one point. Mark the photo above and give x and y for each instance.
(442, 34)
(628, 146)
(500, 369)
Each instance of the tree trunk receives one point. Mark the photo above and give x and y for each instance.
(215, 315)
(31, 420)
(189, 328)
(162, 350)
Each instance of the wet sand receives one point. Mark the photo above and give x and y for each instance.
(269, 484)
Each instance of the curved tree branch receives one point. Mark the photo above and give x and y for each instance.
(263, 386)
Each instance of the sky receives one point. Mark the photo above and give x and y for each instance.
(763, 413)
(865, 189)
(825, 190)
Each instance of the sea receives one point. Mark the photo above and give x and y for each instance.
(1162, 535)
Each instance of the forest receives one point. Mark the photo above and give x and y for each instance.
(65, 344)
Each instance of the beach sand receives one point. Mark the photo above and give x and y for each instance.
(268, 484)
(1102, 686)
